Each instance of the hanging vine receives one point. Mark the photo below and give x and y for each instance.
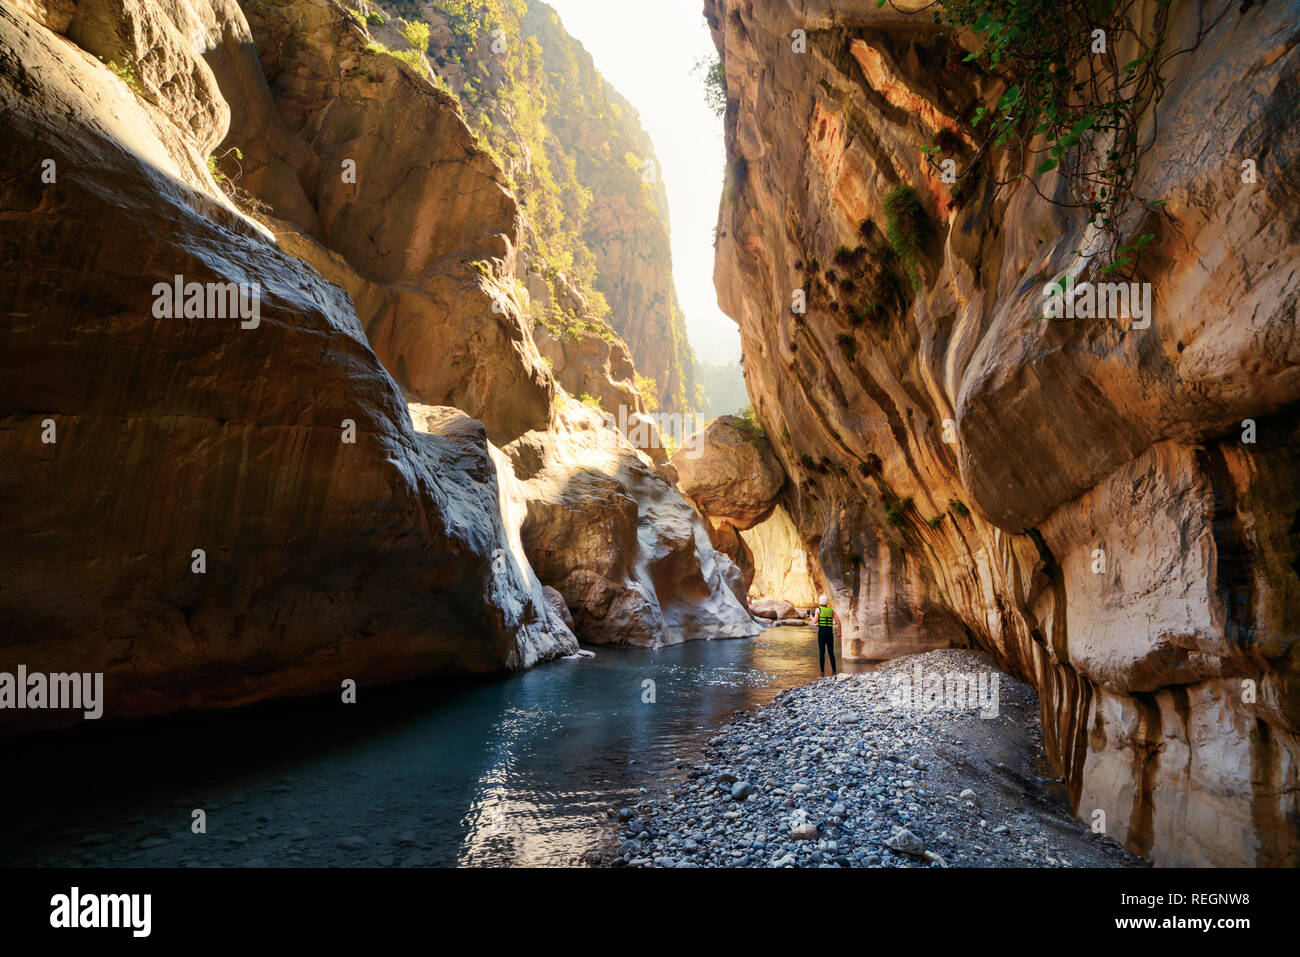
(1069, 103)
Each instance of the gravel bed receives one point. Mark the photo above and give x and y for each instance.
(863, 771)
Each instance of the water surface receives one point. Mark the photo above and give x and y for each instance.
(513, 771)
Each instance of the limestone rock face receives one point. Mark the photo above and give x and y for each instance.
(394, 201)
(558, 605)
(601, 542)
(600, 368)
(730, 471)
(1083, 499)
(780, 561)
(630, 556)
(195, 526)
(729, 542)
(626, 224)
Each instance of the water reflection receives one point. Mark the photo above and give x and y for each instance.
(508, 772)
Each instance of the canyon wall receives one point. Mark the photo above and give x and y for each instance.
(595, 252)
(626, 226)
(1112, 512)
(780, 560)
(453, 273)
(215, 508)
(185, 511)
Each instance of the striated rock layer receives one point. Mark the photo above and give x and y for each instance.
(136, 440)
(1081, 499)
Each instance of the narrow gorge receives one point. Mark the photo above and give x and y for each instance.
(376, 474)
(354, 437)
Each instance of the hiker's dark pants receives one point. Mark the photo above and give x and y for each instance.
(825, 646)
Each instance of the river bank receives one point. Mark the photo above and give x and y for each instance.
(934, 760)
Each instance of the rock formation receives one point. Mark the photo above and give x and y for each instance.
(595, 250)
(630, 555)
(357, 153)
(596, 367)
(1109, 510)
(627, 223)
(780, 560)
(210, 510)
(730, 471)
(334, 470)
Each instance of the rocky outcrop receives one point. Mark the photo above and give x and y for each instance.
(372, 175)
(1108, 510)
(628, 553)
(730, 472)
(597, 367)
(212, 509)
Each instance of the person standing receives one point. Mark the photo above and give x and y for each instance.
(825, 634)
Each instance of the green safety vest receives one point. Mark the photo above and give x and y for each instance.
(825, 617)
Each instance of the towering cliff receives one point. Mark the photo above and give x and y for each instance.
(626, 225)
(1108, 507)
(595, 252)
(343, 455)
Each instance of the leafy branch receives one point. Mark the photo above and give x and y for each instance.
(1068, 103)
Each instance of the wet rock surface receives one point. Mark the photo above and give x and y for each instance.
(837, 774)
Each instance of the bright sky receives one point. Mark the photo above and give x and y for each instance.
(647, 52)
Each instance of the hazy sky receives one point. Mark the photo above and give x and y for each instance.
(647, 51)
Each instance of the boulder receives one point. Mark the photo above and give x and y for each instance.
(729, 542)
(777, 609)
(730, 471)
